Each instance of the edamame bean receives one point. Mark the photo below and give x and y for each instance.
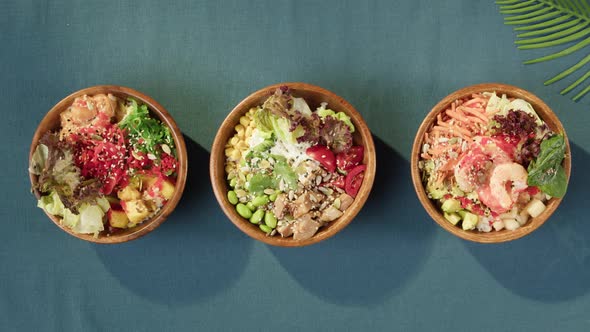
(265, 228)
(270, 220)
(232, 197)
(251, 206)
(257, 217)
(260, 201)
(244, 211)
(233, 182)
(273, 197)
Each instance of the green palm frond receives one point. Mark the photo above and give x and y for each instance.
(546, 23)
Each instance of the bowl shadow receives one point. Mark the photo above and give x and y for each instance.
(558, 251)
(187, 258)
(378, 252)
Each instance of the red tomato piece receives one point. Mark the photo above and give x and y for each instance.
(347, 160)
(354, 179)
(324, 156)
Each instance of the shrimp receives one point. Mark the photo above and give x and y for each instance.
(473, 168)
(507, 181)
(86, 111)
(80, 113)
(105, 104)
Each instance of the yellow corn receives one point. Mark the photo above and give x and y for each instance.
(244, 121)
(242, 146)
(229, 151)
(235, 155)
(234, 141)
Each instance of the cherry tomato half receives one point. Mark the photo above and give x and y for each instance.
(354, 179)
(347, 160)
(324, 155)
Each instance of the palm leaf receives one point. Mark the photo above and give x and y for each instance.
(548, 23)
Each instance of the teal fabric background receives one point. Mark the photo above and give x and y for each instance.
(393, 268)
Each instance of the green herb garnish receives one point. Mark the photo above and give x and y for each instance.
(546, 171)
(146, 134)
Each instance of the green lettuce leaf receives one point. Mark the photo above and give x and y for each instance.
(346, 119)
(91, 217)
(546, 171)
(39, 159)
(52, 204)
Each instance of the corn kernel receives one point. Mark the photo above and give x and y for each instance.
(242, 146)
(235, 155)
(234, 140)
(244, 121)
(229, 168)
(248, 131)
(239, 128)
(229, 151)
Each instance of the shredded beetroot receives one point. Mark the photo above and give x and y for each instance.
(168, 164)
(103, 152)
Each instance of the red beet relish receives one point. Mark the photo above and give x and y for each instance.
(103, 152)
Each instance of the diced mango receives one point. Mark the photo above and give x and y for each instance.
(128, 194)
(136, 210)
(117, 218)
(167, 189)
(164, 187)
(147, 181)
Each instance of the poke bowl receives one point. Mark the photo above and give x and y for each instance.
(107, 164)
(292, 164)
(490, 163)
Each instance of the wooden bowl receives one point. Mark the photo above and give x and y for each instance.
(314, 96)
(51, 122)
(431, 207)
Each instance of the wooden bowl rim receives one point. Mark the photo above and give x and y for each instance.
(504, 235)
(217, 162)
(155, 109)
